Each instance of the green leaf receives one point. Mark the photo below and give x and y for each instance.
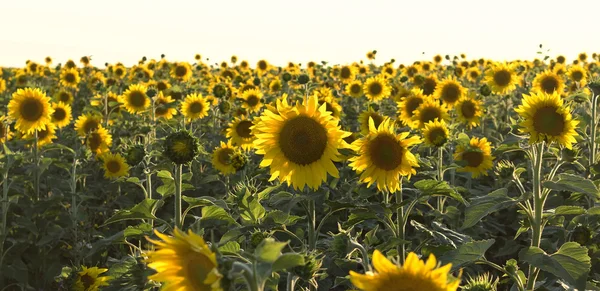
(438, 188)
(138, 230)
(288, 261)
(142, 210)
(280, 217)
(216, 214)
(467, 253)
(251, 211)
(482, 206)
(164, 174)
(573, 183)
(209, 179)
(269, 250)
(570, 263)
(358, 216)
(569, 210)
(231, 247)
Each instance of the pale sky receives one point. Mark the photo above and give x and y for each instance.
(299, 31)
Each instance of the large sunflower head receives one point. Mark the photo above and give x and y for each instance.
(501, 78)
(414, 275)
(222, 158)
(365, 116)
(469, 111)
(163, 106)
(546, 118)
(449, 91)
(435, 133)
(377, 88)
(476, 156)
(429, 110)
(99, 141)
(31, 108)
(70, 77)
(61, 116)
(184, 262)
(252, 100)
(89, 279)
(384, 156)
(135, 99)
(194, 107)
(299, 143)
(114, 165)
(181, 71)
(548, 82)
(181, 147)
(408, 105)
(86, 123)
(239, 132)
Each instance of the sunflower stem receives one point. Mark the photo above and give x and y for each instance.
(5, 202)
(36, 169)
(178, 170)
(312, 235)
(363, 252)
(537, 225)
(74, 206)
(440, 175)
(400, 223)
(291, 282)
(593, 130)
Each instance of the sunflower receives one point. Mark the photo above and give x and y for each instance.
(86, 123)
(473, 74)
(114, 165)
(275, 86)
(384, 156)
(70, 78)
(240, 134)
(469, 111)
(477, 156)
(119, 71)
(2, 85)
(221, 158)
(415, 274)
(45, 136)
(61, 116)
(5, 132)
(162, 107)
(354, 89)
(408, 105)
(501, 78)
(181, 147)
(576, 73)
(429, 110)
(99, 140)
(364, 117)
(548, 82)
(299, 143)
(376, 88)
(435, 133)
(262, 67)
(162, 85)
(31, 108)
(89, 279)
(64, 96)
(135, 99)
(252, 99)
(449, 91)
(180, 255)
(429, 85)
(347, 74)
(389, 71)
(181, 71)
(193, 107)
(331, 106)
(546, 118)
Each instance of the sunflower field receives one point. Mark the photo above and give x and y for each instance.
(444, 174)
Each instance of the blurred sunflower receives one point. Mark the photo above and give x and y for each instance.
(429, 85)
(70, 78)
(415, 274)
(347, 74)
(365, 116)
(299, 143)
(473, 74)
(477, 156)
(275, 86)
(389, 71)
(99, 141)
(449, 91)
(546, 118)
(222, 158)
(501, 78)
(114, 165)
(179, 256)
(408, 105)
(435, 133)
(262, 67)
(61, 116)
(576, 73)
(64, 96)
(5, 132)
(331, 106)
(163, 107)
(252, 100)
(45, 136)
(240, 134)
(2, 85)
(31, 109)
(89, 279)
(162, 85)
(181, 71)
(548, 82)
(469, 111)
(384, 156)
(376, 88)
(354, 89)
(86, 123)
(429, 110)
(193, 107)
(135, 99)
(119, 71)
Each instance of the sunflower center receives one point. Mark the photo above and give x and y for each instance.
(64, 97)
(70, 77)
(549, 84)
(180, 71)
(94, 141)
(243, 129)
(438, 136)
(59, 114)
(262, 65)
(450, 93)
(577, 76)
(161, 86)
(502, 78)
(198, 267)
(474, 74)
(42, 134)
(252, 100)
(547, 121)
(87, 281)
(181, 147)
(90, 124)
(137, 99)
(196, 107)
(412, 104)
(430, 114)
(376, 88)
(119, 72)
(385, 152)
(113, 166)
(32, 109)
(355, 88)
(467, 109)
(303, 140)
(473, 158)
(161, 110)
(345, 73)
(225, 156)
(429, 86)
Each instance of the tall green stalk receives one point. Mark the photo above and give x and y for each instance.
(178, 170)
(312, 235)
(539, 199)
(593, 130)
(400, 224)
(36, 169)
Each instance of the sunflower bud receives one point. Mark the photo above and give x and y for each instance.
(151, 92)
(257, 237)
(570, 155)
(581, 235)
(286, 77)
(580, 97)
(239, 160)
(485, 90)
(310, 268)
(162, 56)
(224, 107)
(181, 147)
(219, 90)
(339, 245)
(256, 81)
(595, 87)
(303, 79)
(484, 282)
(403, 79)
(504, 169)
(135, 154)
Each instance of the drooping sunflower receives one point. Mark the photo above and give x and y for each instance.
(501, 78)
(89, 279)
(99, 140)
(299, 143)
(61, 116)
(477, 156)
(181, 71)
(70, 77)
(135, 99)
(184, 262)
(449, 91)
(384, 156)
(546, 118)
(45, 136)
(222, 158)
(163, 106)
(5, 132)
(365, 116)
(548, 82)
(31, 109)
(408, 105)
(86, 123)
(429, 110)
(435, 133)
(415, 275)
(469, 111)
(193, 107)
(240, 134)
(114, 165)
(252, 99)
(376, 88)
(354, 89)
(576, 73)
